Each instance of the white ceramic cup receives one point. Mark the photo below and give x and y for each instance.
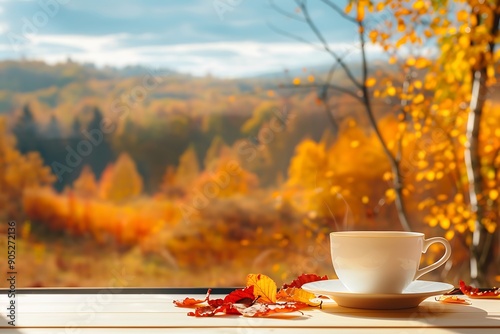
(381, 262)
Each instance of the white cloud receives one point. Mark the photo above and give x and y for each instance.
(225, 59)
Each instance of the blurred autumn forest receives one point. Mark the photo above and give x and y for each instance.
(140, 177)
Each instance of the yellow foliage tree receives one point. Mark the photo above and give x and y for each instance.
(449, 100)
(189, 168)
(334, 178)
(123, 181)
(86, 184)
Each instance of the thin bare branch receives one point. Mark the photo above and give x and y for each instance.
(325, 44)
(404, 116)
(293, 36)
(395, 168)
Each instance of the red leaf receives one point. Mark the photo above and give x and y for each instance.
(229, 308)
(215, 302)
(303, 279)
(479, 292)
(203, 311)
(188, 302)
(241, 296)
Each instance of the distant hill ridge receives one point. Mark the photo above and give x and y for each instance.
(28, 75)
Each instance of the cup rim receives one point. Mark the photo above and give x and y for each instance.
(376, 234)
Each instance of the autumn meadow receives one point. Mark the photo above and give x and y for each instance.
(150, 177)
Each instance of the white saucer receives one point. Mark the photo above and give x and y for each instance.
(413, 295)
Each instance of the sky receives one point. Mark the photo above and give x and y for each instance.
(225, 38)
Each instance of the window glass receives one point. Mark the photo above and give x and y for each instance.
(190, 143)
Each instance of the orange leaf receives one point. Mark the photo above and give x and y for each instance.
(264, 287)
(453, 300)
(188, 302)
(296, 295)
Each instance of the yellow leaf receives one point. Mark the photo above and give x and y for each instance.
(370, 82)
(411, 61)
(390, 194)
(419, 4)
(361, 12)
(491, 226)
(392, 60)
(380, 6)
(490, 71)
(354, 143)
(493, 194)
(421, 63)
(348, 8)
(430, 176)
(365, 199)
(296, 81)
(463, 41)
(310, 78)
(462, 15)
(449, 235)
(263, 287)
(391, 91)
(401, 41)
(445, 223)
(433, 222)
(418, 99)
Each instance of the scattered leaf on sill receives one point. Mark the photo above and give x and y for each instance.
(453, 299)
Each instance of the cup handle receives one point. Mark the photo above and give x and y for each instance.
(442, 260)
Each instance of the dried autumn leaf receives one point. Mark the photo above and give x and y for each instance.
(453, 300)
(296, 295)
(188, 302)
(303, 279)
(263, 310)
(478, 292)
(203, 311)
(264, 287)
(241, 296)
